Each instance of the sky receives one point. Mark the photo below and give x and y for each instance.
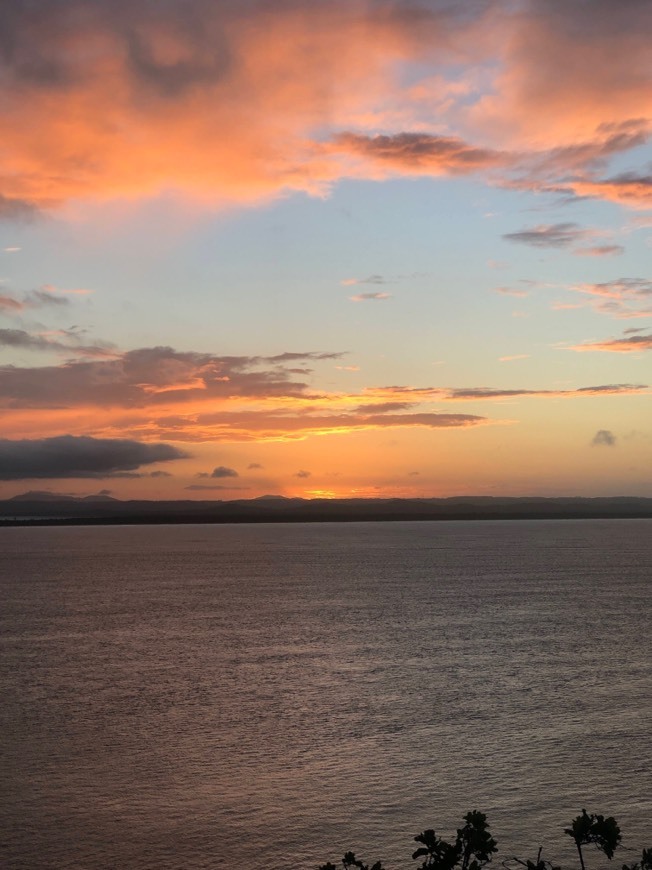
(326, 248)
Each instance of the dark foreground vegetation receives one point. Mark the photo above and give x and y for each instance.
(46, 508)
(474, 847)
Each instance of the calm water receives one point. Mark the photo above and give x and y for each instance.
(269, 696)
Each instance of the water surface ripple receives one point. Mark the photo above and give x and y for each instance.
(271, 695)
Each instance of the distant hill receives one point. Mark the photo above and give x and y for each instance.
(41, 495)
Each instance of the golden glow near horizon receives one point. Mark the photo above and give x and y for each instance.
(346, 249)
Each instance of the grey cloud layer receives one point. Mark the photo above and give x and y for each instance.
(68, 456)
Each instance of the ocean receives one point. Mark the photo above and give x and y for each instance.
(271, 696)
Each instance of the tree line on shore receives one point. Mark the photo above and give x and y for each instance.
(474, 847)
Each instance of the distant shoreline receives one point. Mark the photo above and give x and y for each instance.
(22, 511)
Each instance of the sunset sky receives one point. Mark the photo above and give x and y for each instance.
(326, 247)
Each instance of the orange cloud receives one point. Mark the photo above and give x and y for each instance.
(241, 101)
(150, 394)
(263, 426)
(213, 98)
(629, 188)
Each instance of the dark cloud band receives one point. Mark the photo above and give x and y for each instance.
(68, 456)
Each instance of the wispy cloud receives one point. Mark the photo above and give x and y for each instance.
(621, 288)
(600, 251)
(55, 291)
(10, 305)
(370, 297)
(561, 235)
(621, 311)
(457, 394)
(621, 299)
(19, 338)
(630, 344)
(419, 152)
(511, 291)
(567, 306)
(42, 297)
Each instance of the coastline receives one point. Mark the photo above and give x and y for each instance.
(281, 510)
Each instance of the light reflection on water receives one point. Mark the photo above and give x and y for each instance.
(270, 695)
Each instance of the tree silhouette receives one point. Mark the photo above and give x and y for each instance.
(474, 846)
(437, 853)
(603, 833)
